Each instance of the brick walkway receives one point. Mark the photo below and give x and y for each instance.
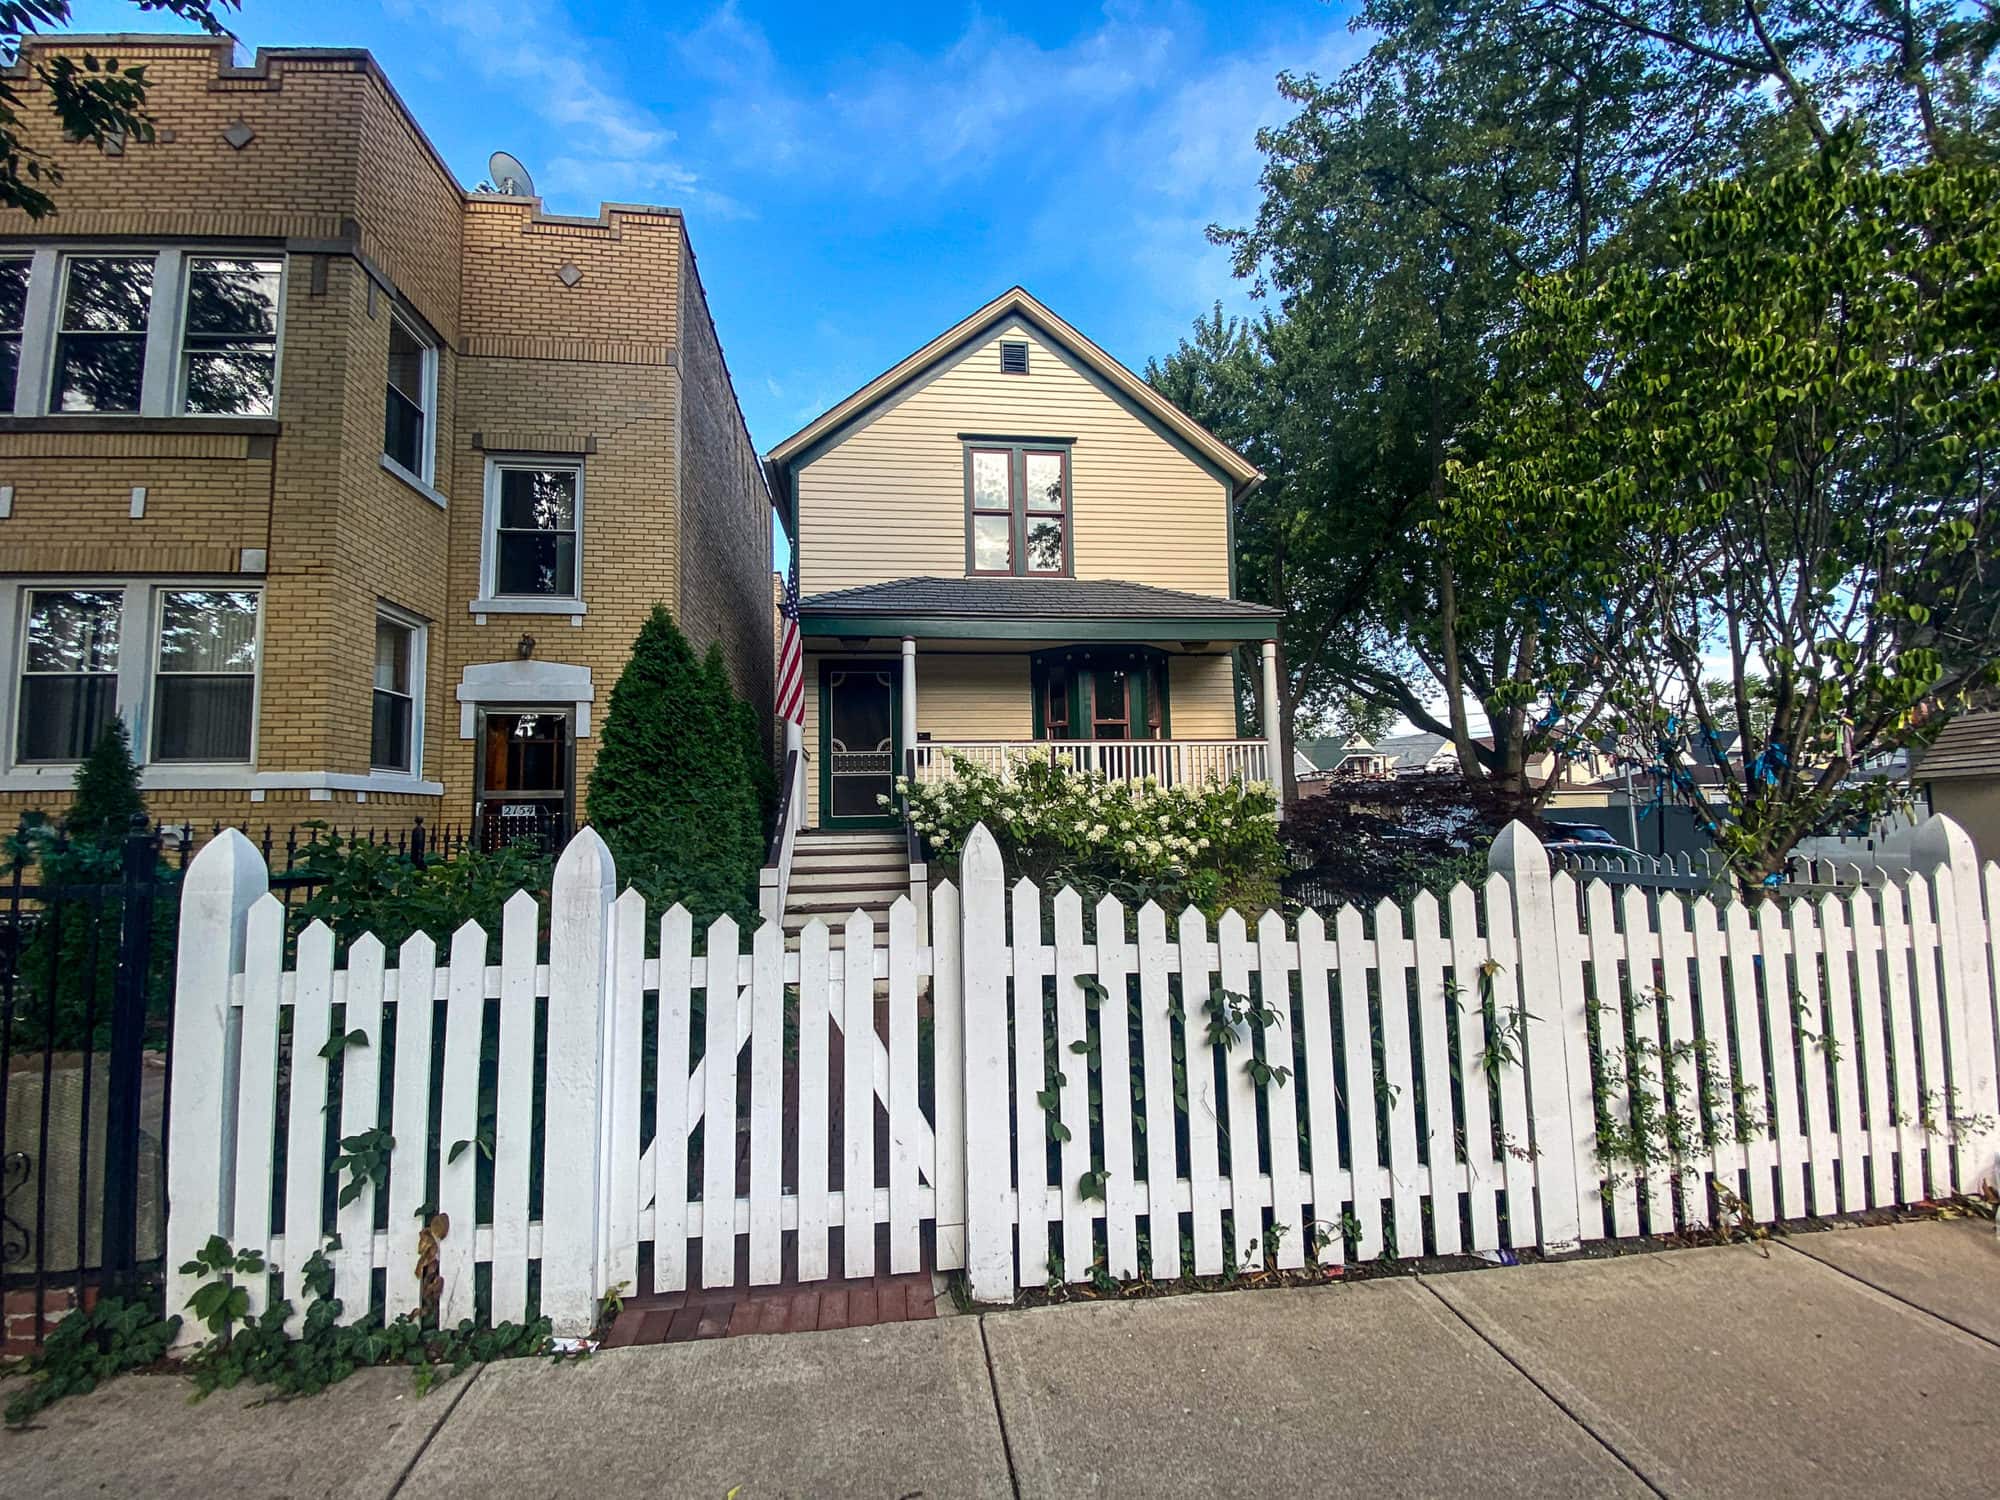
(724, 1312)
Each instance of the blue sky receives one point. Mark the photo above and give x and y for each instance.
(856, 182)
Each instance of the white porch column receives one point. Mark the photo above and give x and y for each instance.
(909, 698)
(1274, 738)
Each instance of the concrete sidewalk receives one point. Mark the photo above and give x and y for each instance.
(1854, 1361)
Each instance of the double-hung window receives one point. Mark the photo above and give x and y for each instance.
(535, 513)
(140, 332)
(1017, 509)
(399, 665)
(229, 340)
(107, 303)
(14, 270)
(69, 672)
(407, 428)
(205, 675)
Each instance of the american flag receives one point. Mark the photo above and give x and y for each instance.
(791, 653)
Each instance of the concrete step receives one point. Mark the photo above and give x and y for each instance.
(886, 877)
(889, 838)
(848, 864)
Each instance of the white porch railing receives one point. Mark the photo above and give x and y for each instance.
(1169, 762)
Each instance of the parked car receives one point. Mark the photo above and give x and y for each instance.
(1578, 833)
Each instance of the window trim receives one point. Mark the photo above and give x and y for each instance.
(17, 663)
(1018, 511)
(65, 262)
(425, 475)
(155, 614)
(139, 622)
(177, 397)
(419, 629)
(490, 600)
(161, 393)
(26, 343)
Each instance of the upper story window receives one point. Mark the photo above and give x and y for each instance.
(205, 675)
(1017, 509)
(13, 318)
(69, 672)
(229, 341)
(107, 302)
(399, 667)
(155, 333)
(534, 520)
(407, 431)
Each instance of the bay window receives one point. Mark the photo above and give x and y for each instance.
(399, 666)
(229, 342)
(14, 270)
(107, 303)
(205, 675)
(407, 427)
(68, 672)
(1017, 500)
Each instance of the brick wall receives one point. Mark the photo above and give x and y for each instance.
(725, 514)
(558, 336)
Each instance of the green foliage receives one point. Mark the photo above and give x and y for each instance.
(66, 967)
(1213, 847)
(89, 1347)
(327, 1351)
(362, 887)
(107, 789)
(1773, 443)
(95, 102)
(674, 791)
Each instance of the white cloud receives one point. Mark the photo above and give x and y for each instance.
(614, 148)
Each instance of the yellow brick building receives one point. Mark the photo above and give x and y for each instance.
(348, 489)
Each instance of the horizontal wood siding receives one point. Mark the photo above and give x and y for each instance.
(888, 500)
(1202, 697)
(974, 698)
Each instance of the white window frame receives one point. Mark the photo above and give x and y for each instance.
(161, 392)
(425, 475)
(490, 600)
(155, 612)
(138, 663)
(8, 399)
(419, 629)
(17, 660)
(177, 403)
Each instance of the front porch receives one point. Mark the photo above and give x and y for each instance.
(1118, 679)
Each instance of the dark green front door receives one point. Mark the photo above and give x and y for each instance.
(860, 720)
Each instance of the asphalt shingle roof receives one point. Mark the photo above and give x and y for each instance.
(1968, 746)
(1029, 599)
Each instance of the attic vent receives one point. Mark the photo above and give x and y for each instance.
(1013, 359)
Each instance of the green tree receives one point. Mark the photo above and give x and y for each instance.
(1477, 142)
(670, 791)
(94, 100)
(107, 789)
(1918, 75)
(1784, 430)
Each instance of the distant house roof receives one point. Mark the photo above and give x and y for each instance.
(1411, 752)
(1325, 754)
(1103, 608)
(1969, 746)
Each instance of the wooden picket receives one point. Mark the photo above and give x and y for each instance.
(1031, 1088)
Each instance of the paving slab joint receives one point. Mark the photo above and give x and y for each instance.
(999, 1411)
(1883, 1291)
(431, 1436)
(1550, 1396)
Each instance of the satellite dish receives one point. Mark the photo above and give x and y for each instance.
(508, 176)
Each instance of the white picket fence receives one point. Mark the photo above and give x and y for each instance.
(1531, 1063)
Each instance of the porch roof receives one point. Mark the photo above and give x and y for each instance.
(1033, 609)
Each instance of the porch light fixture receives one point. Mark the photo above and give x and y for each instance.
(525, 646)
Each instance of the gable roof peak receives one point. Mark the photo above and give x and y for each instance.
(1017, 300)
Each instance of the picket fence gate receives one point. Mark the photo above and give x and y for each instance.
(1530, 1063)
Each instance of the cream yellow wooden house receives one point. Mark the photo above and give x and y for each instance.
(1009, 545)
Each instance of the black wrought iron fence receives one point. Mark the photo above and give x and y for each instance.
(88, 934)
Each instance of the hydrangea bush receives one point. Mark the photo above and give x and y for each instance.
(1212, 846)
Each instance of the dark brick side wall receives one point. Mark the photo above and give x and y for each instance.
(725, 530)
